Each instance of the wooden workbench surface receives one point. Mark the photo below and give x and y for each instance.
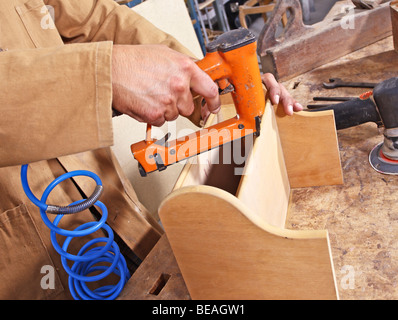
(361, 215)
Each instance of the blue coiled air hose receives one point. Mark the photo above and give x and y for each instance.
(87, 260)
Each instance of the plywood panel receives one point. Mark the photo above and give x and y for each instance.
(264, 186)
(310, 145)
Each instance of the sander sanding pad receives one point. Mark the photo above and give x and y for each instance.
(381, 163)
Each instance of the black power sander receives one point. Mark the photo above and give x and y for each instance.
(380, 107)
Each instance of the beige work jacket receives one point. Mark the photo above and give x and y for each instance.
(55, 114)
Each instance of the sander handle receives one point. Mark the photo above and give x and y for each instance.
(353, 112)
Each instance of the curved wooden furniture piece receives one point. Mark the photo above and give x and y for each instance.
(224, 251)
(225, 220)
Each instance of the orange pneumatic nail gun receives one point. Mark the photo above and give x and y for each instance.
(231, 61)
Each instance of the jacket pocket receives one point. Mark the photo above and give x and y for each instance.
(38, 20)
(27, 271)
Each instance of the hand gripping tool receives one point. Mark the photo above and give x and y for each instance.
(231, 61)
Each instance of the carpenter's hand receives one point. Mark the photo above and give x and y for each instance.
(279, 94)
(153, 83)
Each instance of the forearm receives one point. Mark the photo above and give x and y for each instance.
(54, 101)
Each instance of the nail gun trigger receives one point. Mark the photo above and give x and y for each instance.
(228, 89)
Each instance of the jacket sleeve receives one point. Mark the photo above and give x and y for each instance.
(54, 101)
(102, 20)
